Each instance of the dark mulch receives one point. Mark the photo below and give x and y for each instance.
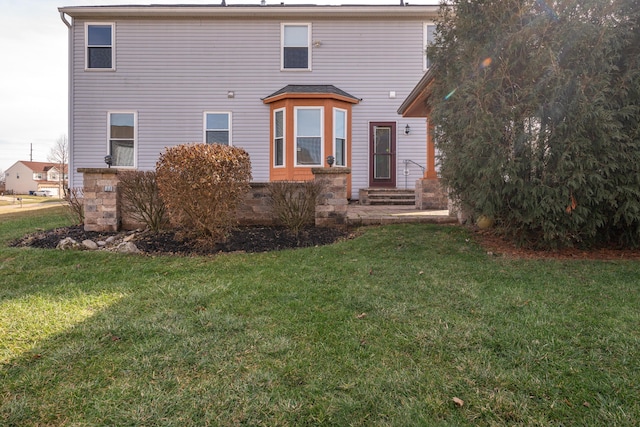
(499, 246)
(244, 239)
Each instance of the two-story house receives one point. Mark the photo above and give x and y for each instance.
(25, 177)
(290, 84)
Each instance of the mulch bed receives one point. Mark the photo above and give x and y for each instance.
(264, 239)
(244, 239)
(499, 246)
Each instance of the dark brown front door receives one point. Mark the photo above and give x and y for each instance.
(382, 154)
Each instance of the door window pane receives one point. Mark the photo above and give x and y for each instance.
(383, 140)
(382, 167)
(382, 153)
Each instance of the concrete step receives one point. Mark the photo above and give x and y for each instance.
(388, 196)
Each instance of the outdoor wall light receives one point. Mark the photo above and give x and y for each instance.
(407, 130)
(108, 160)
(331, 160)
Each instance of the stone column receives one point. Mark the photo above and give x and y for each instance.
(430, 194)
(100, 199)
(331, 207)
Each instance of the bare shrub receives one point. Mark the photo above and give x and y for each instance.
(141, 198)
(75, 203)
(201, 185)
(294, 203)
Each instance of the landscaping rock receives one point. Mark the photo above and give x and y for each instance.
(90, 244)
(127, 248)
(67, 243)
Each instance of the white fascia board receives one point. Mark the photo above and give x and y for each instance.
(270, 11)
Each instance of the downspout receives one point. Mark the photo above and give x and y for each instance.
(70, 182)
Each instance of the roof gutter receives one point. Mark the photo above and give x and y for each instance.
(69, 98)
(67, 23)
(204, 11)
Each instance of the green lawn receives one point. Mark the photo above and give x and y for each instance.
(384, 330)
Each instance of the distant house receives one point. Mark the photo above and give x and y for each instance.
(290, 84)
(26, 177)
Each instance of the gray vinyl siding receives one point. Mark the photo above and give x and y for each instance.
(171, 71)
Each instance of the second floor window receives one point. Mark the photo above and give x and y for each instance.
(429, 36)
(296, 51)
(217, 128)
(99, 46)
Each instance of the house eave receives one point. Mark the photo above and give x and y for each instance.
(417, 102)
(268, 11)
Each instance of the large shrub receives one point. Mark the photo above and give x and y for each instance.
(201, 185)
(141, 198)
(535, 107)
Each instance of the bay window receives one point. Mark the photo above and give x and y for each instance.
(340, 136)
(278, 138)
(308, 125)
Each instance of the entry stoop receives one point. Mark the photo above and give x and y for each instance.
(387, 196)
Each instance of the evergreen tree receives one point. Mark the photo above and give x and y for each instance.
(536, 108)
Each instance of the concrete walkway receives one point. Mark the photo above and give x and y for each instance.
(14, 205)
(377, 215)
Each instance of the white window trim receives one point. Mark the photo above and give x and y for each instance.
(135, 136)
(113, 46)
(295, 136)
(346, 132)
(284, 138)
(425, 43)
(204, 125)
(309, 59)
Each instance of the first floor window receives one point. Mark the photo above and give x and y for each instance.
(340, 136)
(122, 138)
(218, 128)
(278, 138)
(308, 136)
(99, 39)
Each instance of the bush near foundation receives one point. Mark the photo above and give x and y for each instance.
(294, 203)
(74, 198)
(141, 198)
(201, 185)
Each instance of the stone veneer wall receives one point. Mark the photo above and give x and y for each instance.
(100, 199)
(431, 195)
(256, 208)
(103, 213)
(331, 208)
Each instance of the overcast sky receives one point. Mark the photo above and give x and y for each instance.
(33, 70)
